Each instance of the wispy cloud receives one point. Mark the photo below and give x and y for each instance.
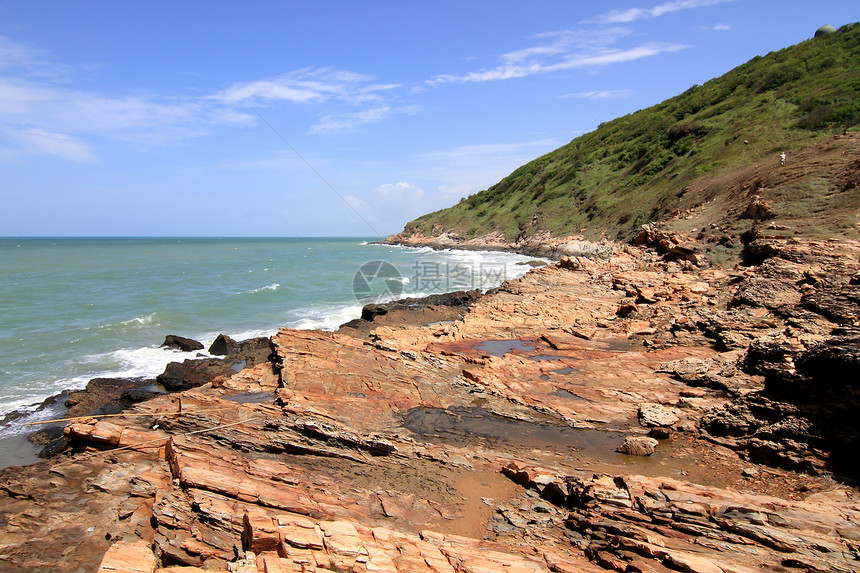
(580, 48)
(634, 14)
(717, 27)
(337, 123)
(42, 114)
(30, 62)
(562, 51)
(599, 94)
(16, 145)
(399, 192)
(307, 85)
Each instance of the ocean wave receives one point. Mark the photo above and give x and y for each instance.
(136, 321)
(273, 286)
(143, 362)
(242, 335)
(139, 320)
(31, 413)
(327, 318)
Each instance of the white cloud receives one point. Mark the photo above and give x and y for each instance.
(581, 48)
(634, 14)
(41, 114)
(561, 51)
(37, 100)
(33, 141)
(357, 204)
(599, 94)
(400, 192)
(58, 144)
(336, 123)
(29, 62)
(306, 85)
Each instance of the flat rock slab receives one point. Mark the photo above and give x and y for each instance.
(655, 415)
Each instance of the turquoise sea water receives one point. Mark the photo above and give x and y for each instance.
(72, 309)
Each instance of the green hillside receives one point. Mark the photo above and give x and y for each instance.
(681, 153)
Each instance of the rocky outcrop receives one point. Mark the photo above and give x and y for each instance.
(671, 245)
(634, 523)
(446, 307)
(254, 350)
(801, 417)
(199, 371)
(108, 396)
(540, 429)
(540, 244)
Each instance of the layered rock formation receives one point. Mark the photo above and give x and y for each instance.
(488, 442)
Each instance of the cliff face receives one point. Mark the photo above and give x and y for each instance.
(716, 145)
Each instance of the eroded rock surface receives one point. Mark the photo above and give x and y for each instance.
(488, 442)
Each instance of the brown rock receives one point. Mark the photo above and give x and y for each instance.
(651, 415)
(134, 557)
(181, 343)
(638, 446)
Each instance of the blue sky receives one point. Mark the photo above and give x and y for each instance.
(330, 117)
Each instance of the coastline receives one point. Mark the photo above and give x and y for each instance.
(542, 245)
(17, 450)
(493, 432)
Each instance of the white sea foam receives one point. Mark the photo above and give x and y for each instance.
(327, 318)
(19, 426)
(273, 286)
(141, 320)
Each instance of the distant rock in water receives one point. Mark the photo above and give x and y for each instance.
(181, 343)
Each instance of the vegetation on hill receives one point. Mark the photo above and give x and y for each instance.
(645, 166)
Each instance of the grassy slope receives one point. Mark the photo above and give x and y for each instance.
(680, 154)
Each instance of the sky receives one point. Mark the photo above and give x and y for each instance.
(330, 118)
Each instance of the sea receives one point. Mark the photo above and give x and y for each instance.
(73, 309)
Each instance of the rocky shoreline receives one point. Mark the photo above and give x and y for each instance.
(542, 245)
(629, 408)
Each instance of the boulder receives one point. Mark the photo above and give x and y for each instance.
(459, 300)
(223, 346)
(252, 350)
(638, 446)
(193, 373)
(104, 395)
(181, 343)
